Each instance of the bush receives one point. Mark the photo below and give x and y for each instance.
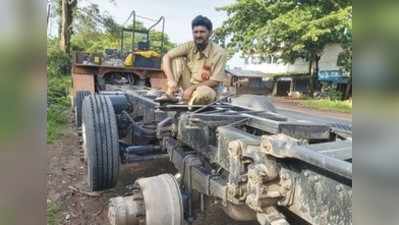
(58, 62)
(57, 118)
(58, 90)
(58, 67)
(331, 94)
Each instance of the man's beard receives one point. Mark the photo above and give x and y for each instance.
(201, 46)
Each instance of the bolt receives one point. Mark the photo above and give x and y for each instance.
(315, 178)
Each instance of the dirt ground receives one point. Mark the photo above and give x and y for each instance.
(67, 187)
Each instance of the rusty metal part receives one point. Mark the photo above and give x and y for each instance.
(256, 180)
(239, 212)
(271, 216)
(155, 201)
(283, 146)
(320, 199)
(128, 210)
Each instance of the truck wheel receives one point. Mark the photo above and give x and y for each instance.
(78, 101)
(101, 142)
(155, 201)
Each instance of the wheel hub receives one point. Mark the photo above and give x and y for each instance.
(156, 201)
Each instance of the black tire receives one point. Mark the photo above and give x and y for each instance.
(78, 101)
(101, 142)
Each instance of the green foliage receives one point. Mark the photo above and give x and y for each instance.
(58, 66)
(333, 94)
(94, 42)
(56, 120)
(156, 38)
(345, 59)
(58, 62)
(287, 29)
(96, 31)
(93, 31)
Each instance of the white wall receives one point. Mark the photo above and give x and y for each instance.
(328, 61)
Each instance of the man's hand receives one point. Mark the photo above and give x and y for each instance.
(167, 68)
(188, 93)
(172, 86)
(206, 73)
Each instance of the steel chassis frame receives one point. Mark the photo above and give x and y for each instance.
(242, 157)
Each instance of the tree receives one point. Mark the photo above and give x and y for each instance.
(345, 62)
(95, 31)
(286, 29)
(66, 20)
(345, 57)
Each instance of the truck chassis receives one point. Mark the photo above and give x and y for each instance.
(257, 164)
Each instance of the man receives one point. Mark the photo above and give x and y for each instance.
(196, 66)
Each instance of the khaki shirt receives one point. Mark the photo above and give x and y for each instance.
(213, 56)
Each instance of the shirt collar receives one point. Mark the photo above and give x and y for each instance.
(206, 51)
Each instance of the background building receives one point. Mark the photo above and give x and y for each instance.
(295, 77)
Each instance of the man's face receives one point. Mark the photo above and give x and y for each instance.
(201, 36)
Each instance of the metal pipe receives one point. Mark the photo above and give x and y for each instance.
(134, 27)
(122, 38)
(135, 125)
(331, 164)
(142, 149)
(163, 37)
(282, 146)
(140, 159)
(161, 126)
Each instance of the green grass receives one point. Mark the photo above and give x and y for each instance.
(53, 214)
(328, 105)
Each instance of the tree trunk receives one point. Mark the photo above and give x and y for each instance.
(68, 7)
(314, 74)
(348, 88)
(310, 79)
(59, 13)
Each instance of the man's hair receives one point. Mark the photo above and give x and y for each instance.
(202, 21)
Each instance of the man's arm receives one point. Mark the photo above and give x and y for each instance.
(179, 51)
(167, 69)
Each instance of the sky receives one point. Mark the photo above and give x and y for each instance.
(178, 13)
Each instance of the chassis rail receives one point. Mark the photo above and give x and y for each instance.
(258, 164)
